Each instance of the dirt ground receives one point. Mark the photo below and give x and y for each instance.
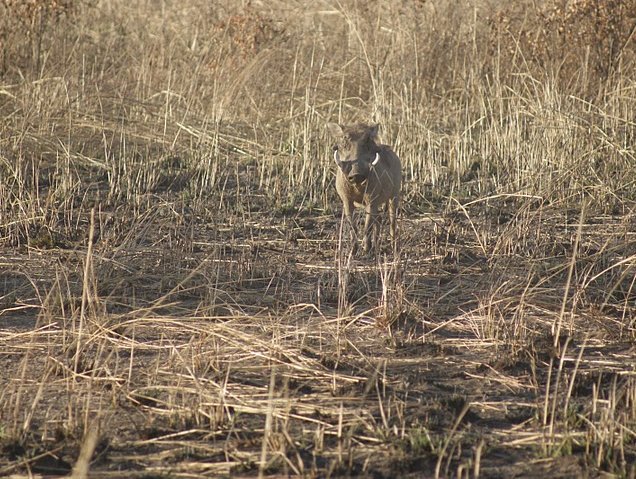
(440, 361)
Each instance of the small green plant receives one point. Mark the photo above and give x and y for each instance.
(420, 442)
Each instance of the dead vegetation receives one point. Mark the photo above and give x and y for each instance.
(173, 298)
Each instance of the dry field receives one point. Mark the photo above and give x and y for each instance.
(176, 299)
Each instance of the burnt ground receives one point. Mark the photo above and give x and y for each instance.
(189, 337)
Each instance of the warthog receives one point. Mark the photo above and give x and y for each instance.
(368, 175)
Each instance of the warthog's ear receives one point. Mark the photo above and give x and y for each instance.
(335, 129)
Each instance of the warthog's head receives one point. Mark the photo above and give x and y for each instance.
(356, 151)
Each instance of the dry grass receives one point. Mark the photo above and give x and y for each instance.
(175, 297)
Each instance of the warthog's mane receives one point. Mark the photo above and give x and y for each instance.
(357, 132)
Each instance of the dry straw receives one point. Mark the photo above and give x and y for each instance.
(176, 298)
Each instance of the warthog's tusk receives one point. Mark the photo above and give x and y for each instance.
(335, 156)
(377, 158)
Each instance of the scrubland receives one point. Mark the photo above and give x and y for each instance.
(176, 299)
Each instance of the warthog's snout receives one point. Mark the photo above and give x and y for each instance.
(368, 174)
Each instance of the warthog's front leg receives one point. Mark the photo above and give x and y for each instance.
(392, 206)
(370, 227)
(349, 224)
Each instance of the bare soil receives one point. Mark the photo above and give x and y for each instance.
(205, 325)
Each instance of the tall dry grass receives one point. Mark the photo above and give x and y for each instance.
(147, 92)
